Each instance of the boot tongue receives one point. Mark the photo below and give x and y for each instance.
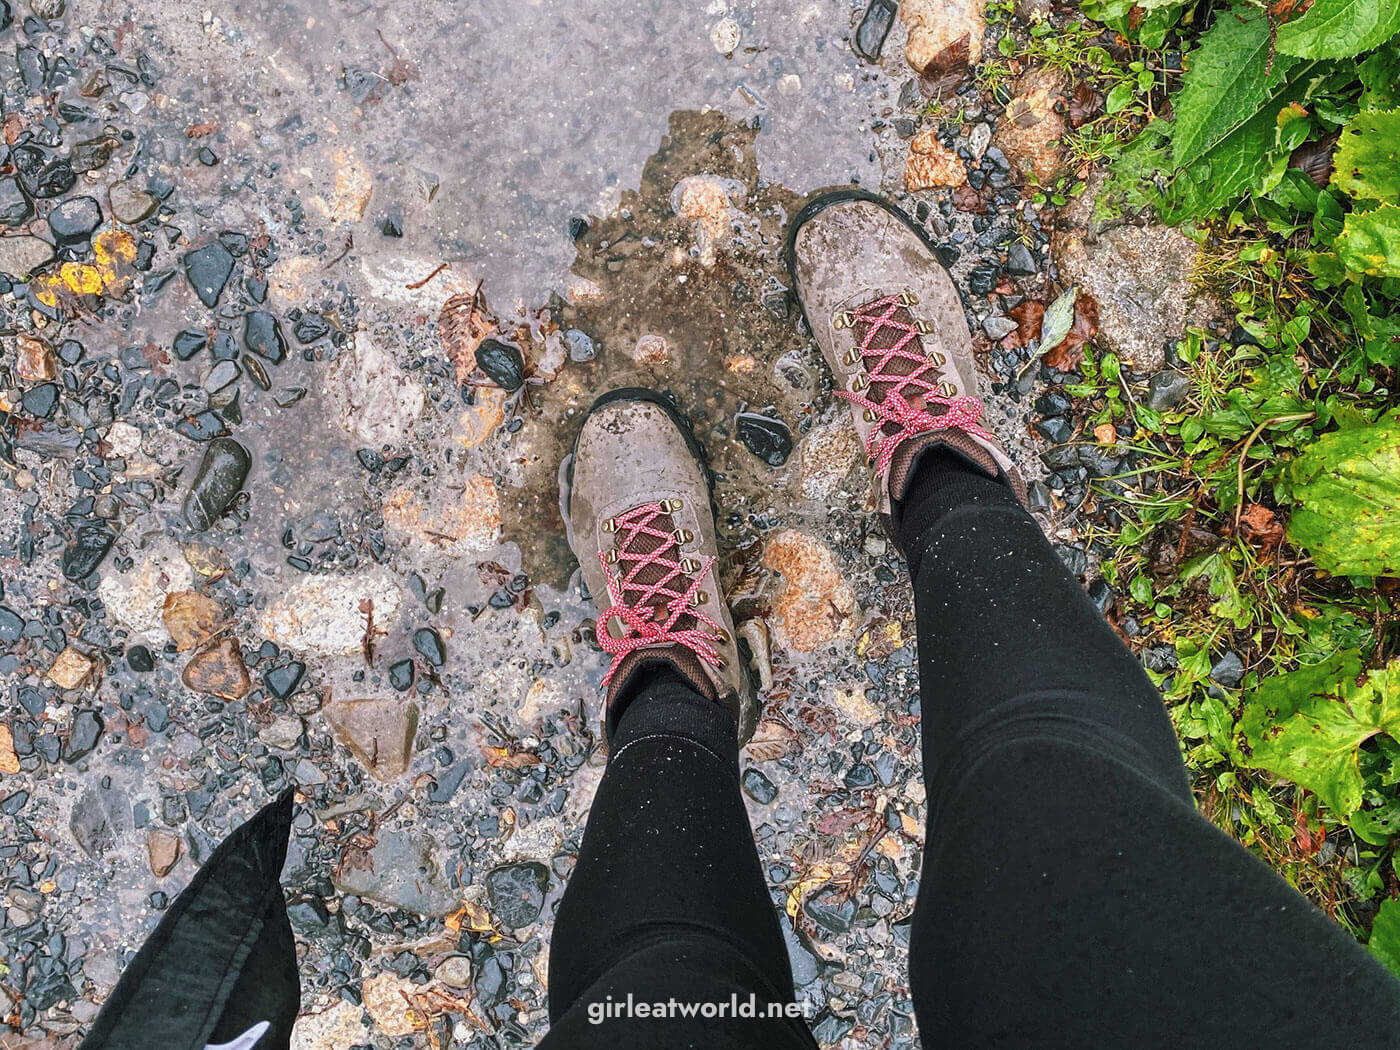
(875, 334)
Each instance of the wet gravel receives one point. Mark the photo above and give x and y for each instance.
(284, 395)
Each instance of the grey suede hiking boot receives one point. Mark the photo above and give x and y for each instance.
(641, 524)
(883, 309)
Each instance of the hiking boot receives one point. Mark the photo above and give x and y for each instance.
(640, 521)
(883, 309)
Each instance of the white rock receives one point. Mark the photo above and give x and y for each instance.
(377, 401)
(335, 1028)
(137, 598)
(321, 614)
(124, 439)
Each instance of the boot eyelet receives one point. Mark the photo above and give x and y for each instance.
(924, 327)
(908, 298)
(610, 555)
(725, 637)
(690, 566)
(608, 525)
(870, 416)
(853, 358)
(700, 598)
(947, 388)
(937, 359)
(843, 320)
(859, 383)
(682, 536)
(671, 505)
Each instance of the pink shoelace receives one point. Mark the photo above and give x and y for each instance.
(896, 404)
(656, 606)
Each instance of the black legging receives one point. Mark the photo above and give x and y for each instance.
(1070, 893)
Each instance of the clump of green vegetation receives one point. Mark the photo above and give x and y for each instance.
(1263, 516)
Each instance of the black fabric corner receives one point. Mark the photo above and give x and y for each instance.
(222, 959)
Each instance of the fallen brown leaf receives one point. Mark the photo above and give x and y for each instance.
(1261, 527)
(1028, 317)
(1067, 355)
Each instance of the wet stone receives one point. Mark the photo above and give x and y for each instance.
(1020, 261)
(11, 626)
(310, 327)
(1101, 594)
(283, 733)
(1167, 389)
(581, 347)
(222, 375)
(263, 335)
(90, 545)
(401, 675)
(74, 221)
(162, 852)
(874, 27)
(130, 205)
(218, 481)
(190, 342)
(1056, 429)
(403, 870)
(208, 270)
(758, 787)
(218, 671)
(41, 401)
(139, 659)
(99, 820)
(503, 364)
(21, 256)
(282, 681)
(998, 328)
(83, 736)
(14, 205)
(428, 644)
(982, 279)
(767, 438)
(1228, 671)
(516, 893)
(378, 732)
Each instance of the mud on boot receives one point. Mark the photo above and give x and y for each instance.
(641, 523)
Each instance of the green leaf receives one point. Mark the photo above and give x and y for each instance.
(1385, 936)
(1228, 82)
(1380, 77)
(1340, 28)
(1370, 242)
(1367, 161)
(1347, 486)
(1309, 726)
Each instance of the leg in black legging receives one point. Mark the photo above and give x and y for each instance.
(1071, 895)
(668, 900)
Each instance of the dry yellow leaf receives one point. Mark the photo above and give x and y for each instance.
(81, 278)
(9, 761)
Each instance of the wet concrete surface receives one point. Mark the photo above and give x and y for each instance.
(602, 186)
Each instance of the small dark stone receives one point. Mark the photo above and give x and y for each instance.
(1038, 496)
(219, 479)
(874, 27)
(54, 180)
(1020, 261)
(14, 205)
(391, 225)
(577, 227)
(83, 736)
(1228, 670)
(263, 335)
(310, 327)
(983, 279)
(1101, 594)
(859, 776)
(767, 438)
(503, 364)
(208, 270)
(70, 351)
(90, 545)
(401, 675)
(428, 643)
(282, 681)
(371, 459)
(516, 893)
(254, 367)
(1052, 403)
(204, 426)
(11, 625)
(139, 659)
(1166, 390)
(1057, 429)
(758, 787)
(74, 221)
(41, 401)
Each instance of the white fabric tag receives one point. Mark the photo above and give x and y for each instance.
(246, 1041)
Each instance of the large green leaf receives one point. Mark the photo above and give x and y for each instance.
(1370, 242)
(1230, 79)
(1380, 78)
(1367, 161)
(1309, 726)
(1385, 935)
(1340, 28)
(1347, 486)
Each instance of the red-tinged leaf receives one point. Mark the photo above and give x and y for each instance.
(842, 821)
(1067, 355)
(1028, 317)
(1261, 527)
